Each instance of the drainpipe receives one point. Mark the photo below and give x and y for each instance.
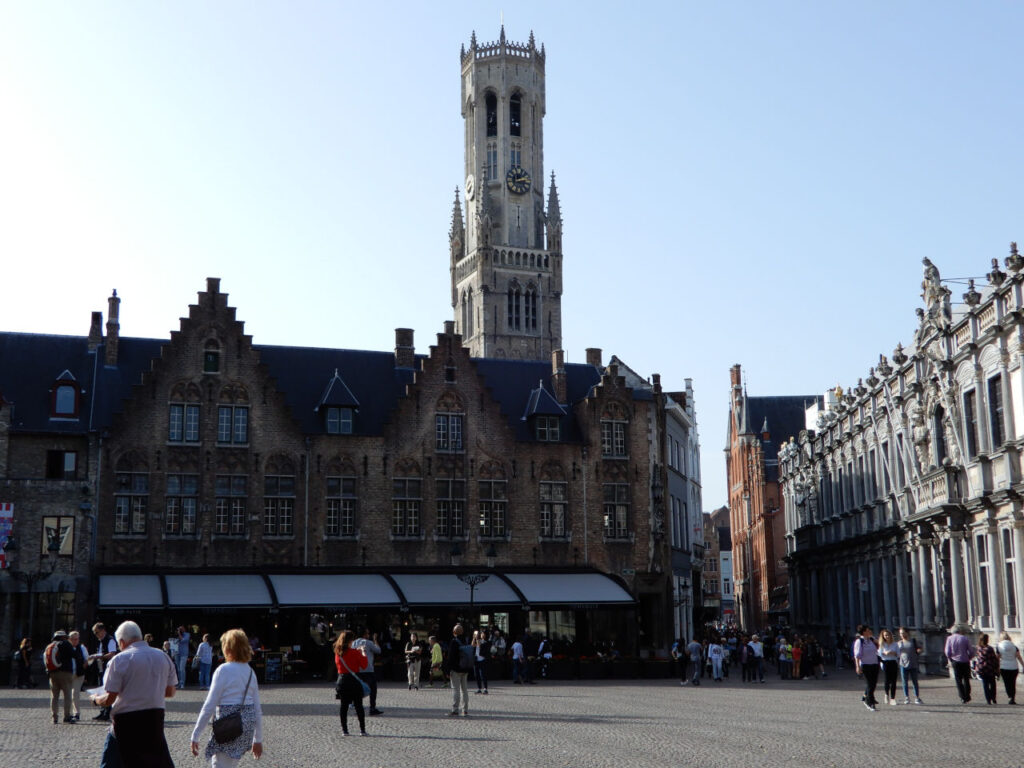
(305, 539)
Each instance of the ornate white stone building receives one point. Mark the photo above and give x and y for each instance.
(903, 497)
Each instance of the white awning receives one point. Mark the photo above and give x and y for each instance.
(123, 591)
(570, 589)
(216, 590)
(333, 589)
(447, 589)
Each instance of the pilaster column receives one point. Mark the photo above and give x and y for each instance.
(1004, 385)
(938, 583)
(957, 576)
(902, 601)
(887, 603)
(834, 600)
(926, 613)
(814, 614)
(839, 583)
(1018, 566)
(853, 604)
(995, 590)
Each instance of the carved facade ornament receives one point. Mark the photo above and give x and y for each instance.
(922, 436)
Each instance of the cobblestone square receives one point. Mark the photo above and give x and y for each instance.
(576, 725)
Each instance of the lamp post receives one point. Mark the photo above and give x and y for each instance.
(30, 579)
(473, 579)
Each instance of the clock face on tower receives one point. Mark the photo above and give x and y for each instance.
(517, 180)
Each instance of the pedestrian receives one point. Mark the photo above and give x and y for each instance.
(204, 657)
(1009, 658)
(696, 653)
(137, 682)
(986, 665)
(518, 663)
(840, 649)
(106, 649)
(23, 663)
(60, 666)
(715, 653)
(756, 658)
(797, 653)
(370, 648)
(458, 671)
(233, 689)
(958, 652)
(181, 655)
(349, 688)
(482, 647)
(437, 662)
(909, 650)
(413, 660)
(889, 655)
(744, 655)
(80, 660)
(865, 661)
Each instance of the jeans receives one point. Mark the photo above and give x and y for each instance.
(480, 672)
(757, 665)
(870, 683)
(460, 691)
(909, 674)
(962, 676)
(519, 670)
(111, 756)
(988, 685)
(370, 678)
(716, 668)
(1010, 683)
(182, 670)
(204, 674)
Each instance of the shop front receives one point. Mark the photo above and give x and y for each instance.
(292, 617)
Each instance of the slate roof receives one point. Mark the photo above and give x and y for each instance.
(31, 363)
(785, 418)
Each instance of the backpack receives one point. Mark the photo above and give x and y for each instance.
(467, 658)
(50, 657)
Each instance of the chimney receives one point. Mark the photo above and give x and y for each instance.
(113, 328)
(95, 331)
(735, 376)
(449, 327)
(559, 381)
(405, 352)
(594, 356)
(656, 377)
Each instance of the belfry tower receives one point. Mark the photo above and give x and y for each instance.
(506, 255)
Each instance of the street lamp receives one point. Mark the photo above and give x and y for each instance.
(474, 579)
(30, 579)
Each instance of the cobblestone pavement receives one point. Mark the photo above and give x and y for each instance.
(576, 724)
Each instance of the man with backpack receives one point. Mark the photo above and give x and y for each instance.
(459, 660)
(59, 660)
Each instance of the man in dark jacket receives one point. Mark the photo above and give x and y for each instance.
(61, 679)
(458, 674)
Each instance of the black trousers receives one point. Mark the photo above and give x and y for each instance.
(988, 685)
(962, 676)
(351, 693)
(1010, 683)
(370, 678)
(892, 671)
(870, 682)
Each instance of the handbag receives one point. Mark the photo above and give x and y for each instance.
(366, 687)
(229, 727)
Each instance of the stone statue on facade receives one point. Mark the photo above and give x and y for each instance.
(938, 310)
(922, 437)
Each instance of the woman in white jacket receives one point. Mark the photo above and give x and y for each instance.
(233, 689)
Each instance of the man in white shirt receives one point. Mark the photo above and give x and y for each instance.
(137, 682)
(79, 660)
(518, 663)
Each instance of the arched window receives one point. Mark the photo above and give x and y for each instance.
(530, 309)
(491, 101)
(940, 435)
(468, 324)
(211, 357)
(514, 308)
(515, 115)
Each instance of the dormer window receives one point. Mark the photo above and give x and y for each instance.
(547, 429)
(339, 421)
(64, 397)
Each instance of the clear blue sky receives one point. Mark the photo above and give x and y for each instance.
(741, 182)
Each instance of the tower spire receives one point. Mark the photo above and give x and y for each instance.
(457, 233)
(554, 218)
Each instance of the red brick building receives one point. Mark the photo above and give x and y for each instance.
(758, 528)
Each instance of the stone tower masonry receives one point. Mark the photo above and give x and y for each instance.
(506, 254)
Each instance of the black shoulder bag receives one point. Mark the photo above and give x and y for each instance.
(229, 727)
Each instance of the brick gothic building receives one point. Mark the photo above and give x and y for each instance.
(209, 480)
(752, 470)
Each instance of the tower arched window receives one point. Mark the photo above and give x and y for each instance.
(468, 324)
(514, 308)
(530, 309)
(515, 115)
(491, 102)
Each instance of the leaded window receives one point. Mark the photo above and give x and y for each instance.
(278, 505)
(493, 498)
(181, 499)
(553, 504)
(616, 510)
(131, 498)
(341, 506)
(406, 501)
(229, 505)
(451, 506)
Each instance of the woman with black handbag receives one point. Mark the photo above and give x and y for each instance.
(350, 688)
(234, 698)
